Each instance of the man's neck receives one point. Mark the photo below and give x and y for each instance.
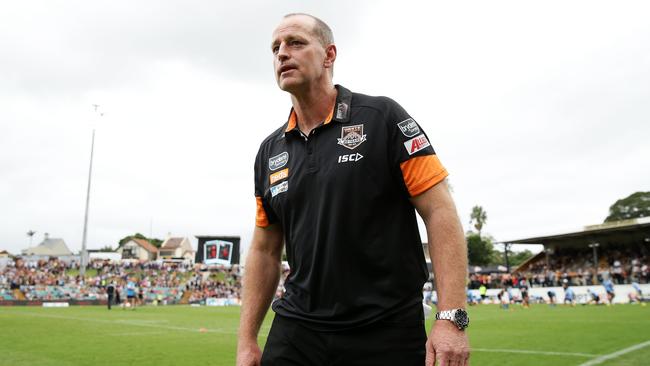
(313, 106)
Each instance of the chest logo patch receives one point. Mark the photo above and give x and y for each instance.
(350, 158)
(409, 127)
(416, 144)
(279, 175)
(352, 136)
(279, 188)
(278, 161)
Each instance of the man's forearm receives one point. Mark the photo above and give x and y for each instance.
(260, 283)
(448, 253)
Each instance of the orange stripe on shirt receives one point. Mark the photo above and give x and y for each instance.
(421, 173)
(329, 117)
(261, 219)
(293, 119)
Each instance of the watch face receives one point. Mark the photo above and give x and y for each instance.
(461, 319)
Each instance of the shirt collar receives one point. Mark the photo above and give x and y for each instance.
(340, 111)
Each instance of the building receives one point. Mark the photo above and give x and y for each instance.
(177, 248)
(139, 249)
(49, 247)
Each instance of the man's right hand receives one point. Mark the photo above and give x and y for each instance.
(248, 354)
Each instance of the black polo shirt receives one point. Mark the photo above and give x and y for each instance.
(341, 197)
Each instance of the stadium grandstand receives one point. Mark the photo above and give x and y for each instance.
(32, 282)
(620, 250)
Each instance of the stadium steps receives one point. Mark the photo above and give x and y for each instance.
(186, 297)
(18, 295)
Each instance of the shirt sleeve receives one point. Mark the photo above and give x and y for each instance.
(263, 214)
(411, 151)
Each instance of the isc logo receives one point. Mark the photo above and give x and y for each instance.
(350, 157)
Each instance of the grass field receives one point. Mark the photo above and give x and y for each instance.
(182, 335)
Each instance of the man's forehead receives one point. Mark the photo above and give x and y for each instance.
(296, 24)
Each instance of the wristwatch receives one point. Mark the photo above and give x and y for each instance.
(457, 316)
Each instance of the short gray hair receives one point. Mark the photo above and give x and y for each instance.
(321, 30)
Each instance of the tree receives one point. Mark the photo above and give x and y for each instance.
(518, 258)
(480, 251)
(106, 248)
(631, 207)
(478, 217)
(514, 258)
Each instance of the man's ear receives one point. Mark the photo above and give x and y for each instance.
(330, 56)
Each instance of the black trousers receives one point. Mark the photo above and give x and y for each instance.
(388, 342)
(110, 301)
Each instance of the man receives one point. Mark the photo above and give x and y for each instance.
(523, 287)
(339, 183)
(609, 289)
(130, 293)
(569, 295)
(551, 297)
(110, 291)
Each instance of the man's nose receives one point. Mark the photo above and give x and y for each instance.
(283, 54)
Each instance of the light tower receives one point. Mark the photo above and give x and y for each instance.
(84, 251)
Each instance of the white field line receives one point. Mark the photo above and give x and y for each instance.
(531, 352)
(143, 323)
(601, 359)
(123, 334)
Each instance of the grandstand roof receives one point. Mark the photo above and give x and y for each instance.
(621, 232)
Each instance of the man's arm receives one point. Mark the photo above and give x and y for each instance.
(448, 251)
(259, 285)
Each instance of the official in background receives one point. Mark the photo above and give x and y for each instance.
(110, 291)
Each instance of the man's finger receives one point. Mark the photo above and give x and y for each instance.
(430, 358)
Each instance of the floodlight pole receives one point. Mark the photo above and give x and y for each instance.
(84, 251)
(594, 246)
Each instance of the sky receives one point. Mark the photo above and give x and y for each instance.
(540, 111)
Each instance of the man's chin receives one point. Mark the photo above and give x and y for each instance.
(289, 84)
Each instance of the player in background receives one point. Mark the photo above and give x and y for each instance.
(523, 287)
(130, 293)
(551, 297)
(594, 298)
(609, 288)
(482, 290)
(569, 295)
(636, 295)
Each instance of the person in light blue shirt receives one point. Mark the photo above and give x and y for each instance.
(609, 288)
(637, 295)
(130, 293)
(569, 295)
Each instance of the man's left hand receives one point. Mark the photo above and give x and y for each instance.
(447, 345)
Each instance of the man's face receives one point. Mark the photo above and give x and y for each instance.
(298, 56)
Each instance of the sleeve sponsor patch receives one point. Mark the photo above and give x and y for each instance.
(279, 188)
(278, 161)
(279, 175)
(416, 144)
(409, 127)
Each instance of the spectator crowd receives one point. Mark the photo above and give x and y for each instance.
(157, 282)
(575, 266)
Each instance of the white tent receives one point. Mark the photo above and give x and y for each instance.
(49, 247)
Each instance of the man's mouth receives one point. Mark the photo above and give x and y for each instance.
(286, 68)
